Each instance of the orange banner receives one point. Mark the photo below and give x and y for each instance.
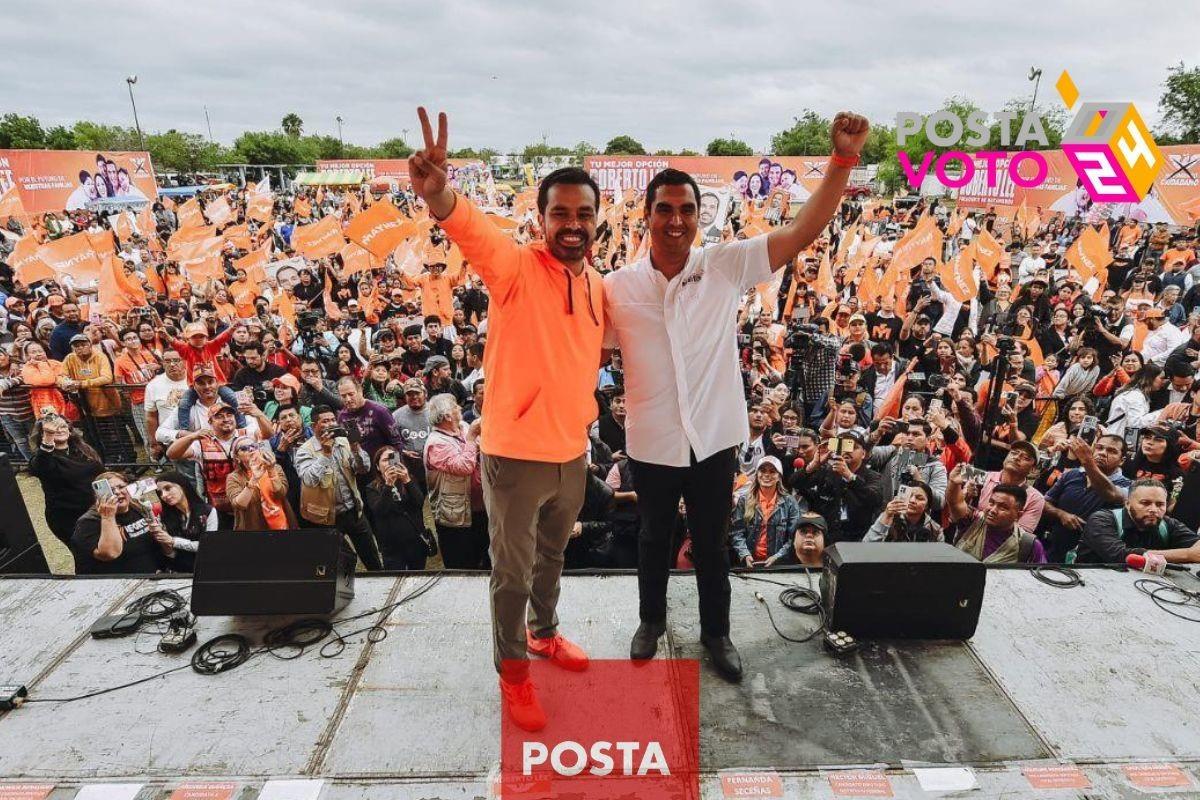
(118, 292)
(259, 207)
(380, 229)
(323, 238)
(354, 259)
(58, 180)
(255, 261)
(218, 211)
(201, 259)
(27, 263)
(190, 215)
(958, 275)
(1089, 254)
(72, 254)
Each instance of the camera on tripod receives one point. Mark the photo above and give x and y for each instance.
(800, 335)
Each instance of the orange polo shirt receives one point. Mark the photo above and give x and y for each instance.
(437, 296)
(545, 328)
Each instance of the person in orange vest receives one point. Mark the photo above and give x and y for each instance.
(437, 292)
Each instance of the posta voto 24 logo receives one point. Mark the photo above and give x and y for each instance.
(1107, 143)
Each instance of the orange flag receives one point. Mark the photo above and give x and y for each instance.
(189, 235)
(354, 258)
(27, 264)
(218, 211)
(868, 287)
(380, 229)
(72, 254)
(844, 245)
(1089, 254)
(987, 253)
(201, 259)
(320, 239)
(331, 308)
(11, 206)
(955, 223)
(124, 227)
(958, 275)
(255, 263)
(353, 205)
(825, 284)
(238, 236)
(302, 207)
(923, 241)
(118, 292)
(190, 215)
(259, 207)
(103, 245)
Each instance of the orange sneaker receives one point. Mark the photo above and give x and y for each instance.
(559, 650)
(521, 702)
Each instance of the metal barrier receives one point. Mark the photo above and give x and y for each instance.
(113, 421)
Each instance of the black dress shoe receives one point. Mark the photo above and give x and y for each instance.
(725, 657)
(645, 640)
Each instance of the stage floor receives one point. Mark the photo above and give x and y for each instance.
(1095, 676)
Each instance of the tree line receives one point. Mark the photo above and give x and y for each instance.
(178, 151)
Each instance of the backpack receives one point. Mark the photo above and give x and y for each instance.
(1118, 520)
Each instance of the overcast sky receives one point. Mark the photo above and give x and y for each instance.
(672, 75)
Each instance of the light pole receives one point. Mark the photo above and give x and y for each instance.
(404, 133)
(1035, 75)
(131, 80)
(339, 122)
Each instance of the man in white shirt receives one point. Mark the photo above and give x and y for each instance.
(673, 314)
(1162, 338)
(1031, 265)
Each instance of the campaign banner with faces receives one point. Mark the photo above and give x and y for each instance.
(744, 177)
(58, 180)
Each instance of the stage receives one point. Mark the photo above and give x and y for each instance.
(1094, 676)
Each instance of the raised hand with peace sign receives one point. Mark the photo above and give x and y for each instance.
(427, 167)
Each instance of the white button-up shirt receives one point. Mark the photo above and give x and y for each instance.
(683, 381)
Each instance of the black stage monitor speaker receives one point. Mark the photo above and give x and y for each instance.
(302, 572)
(902, 590)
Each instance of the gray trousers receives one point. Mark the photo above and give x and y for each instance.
(531, 507)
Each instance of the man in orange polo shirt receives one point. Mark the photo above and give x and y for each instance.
(545, 324)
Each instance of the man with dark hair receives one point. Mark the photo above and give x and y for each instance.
(612, 424)
(315, 389)
(1018, 465)
(546, 329)
(435, 342)
(415, 352)
(475, 362)
(1078, 493)
(257, 374)
(1140, 526)
(672, 314)
(329, 464)
(992, 535)
(883, 373)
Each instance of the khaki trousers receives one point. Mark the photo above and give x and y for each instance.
(531, 506)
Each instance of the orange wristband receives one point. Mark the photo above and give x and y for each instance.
(843, 161)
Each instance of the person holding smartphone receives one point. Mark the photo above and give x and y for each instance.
(840, 487)
(116, 536)
(395, 500)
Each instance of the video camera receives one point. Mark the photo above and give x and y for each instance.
(800, 335)
(307, 322)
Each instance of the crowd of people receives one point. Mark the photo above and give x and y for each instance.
(1015, 425)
